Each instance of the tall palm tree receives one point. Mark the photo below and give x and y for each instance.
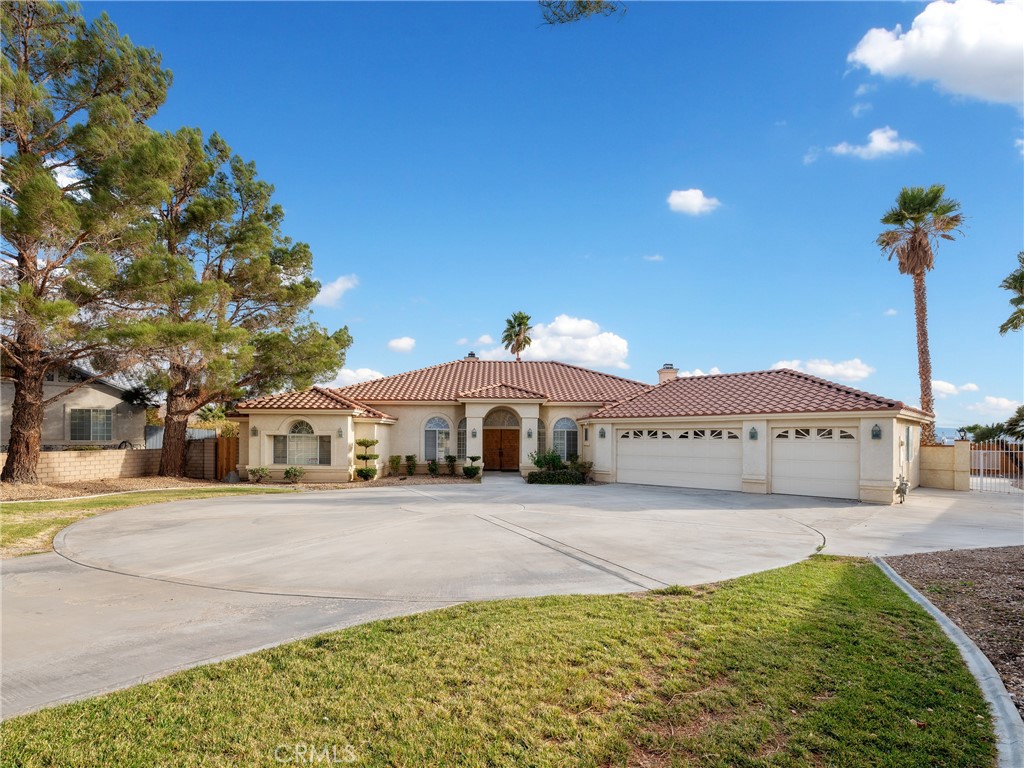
(1014, 283)
(516, 337)
(920, 218)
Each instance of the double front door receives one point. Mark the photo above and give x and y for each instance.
(501, 449)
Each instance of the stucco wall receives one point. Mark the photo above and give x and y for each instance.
(946, 466)
(258, 450)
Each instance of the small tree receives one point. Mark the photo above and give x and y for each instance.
(472, 470)
(450, 461)
(410, 464)
(1013, 427)
(516, 337)
(366, 472)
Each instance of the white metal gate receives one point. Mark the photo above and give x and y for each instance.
(997, 466)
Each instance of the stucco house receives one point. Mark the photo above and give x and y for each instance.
(92, 415)
(778, 431)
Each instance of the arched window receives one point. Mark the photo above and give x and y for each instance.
(302, 446)
(542, 436)
(436, 437)
(460, 440)
(565, 439)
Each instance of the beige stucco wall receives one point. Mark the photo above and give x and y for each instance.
(258, 450)
(128, 423)
(946, 466)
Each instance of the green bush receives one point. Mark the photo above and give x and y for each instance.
(547, 460)
(366, 473)
(258, 474)
(555, 477)
(433, 467)
(450, 461)
(395, 462)
(583, 467)
(294, 474)
(471, 471)
(410, 464)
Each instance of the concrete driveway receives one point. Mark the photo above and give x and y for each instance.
(140, 593)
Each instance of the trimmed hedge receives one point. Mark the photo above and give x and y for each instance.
(556, 477)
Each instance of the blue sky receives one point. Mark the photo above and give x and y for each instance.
(695, 183)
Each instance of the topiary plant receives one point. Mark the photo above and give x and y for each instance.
(450, 461)
(366, 472)
(471, 471)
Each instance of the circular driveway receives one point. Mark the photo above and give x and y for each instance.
(501, 538)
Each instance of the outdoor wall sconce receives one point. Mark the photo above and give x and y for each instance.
(341, 432)
(473, 433)
(962, 433)
(753, 433)
(529, 433)
(601, 433)
(254, 432)
(876, 432)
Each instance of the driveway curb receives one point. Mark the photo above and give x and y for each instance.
(1006, 719)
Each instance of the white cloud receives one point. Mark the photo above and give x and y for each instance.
(692, 202)
(969, 387)
(845, 370)
(811, 155)
(864, 89)
(860, 108)
(347, 376)
(654, 257)
(698, 372)
(331, 293)
(969, 48)
(402, 344)
(995, 407)
(485, 339)
(890, 312)
(571, 340)
(1019, 144)
(881, 142)
(462, 342)
(943, 389)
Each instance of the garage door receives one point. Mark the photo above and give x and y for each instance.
(816, 461)
(705, 457)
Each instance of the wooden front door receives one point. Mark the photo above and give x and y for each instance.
(501, 449)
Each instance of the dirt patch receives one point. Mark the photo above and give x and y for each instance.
(21, 492)
(982, 592)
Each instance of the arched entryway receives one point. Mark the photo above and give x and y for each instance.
(501, 440)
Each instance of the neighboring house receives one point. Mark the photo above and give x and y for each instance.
(94, 414)
(775, 431)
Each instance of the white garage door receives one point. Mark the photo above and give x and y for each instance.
(702, 457)
(816, 461)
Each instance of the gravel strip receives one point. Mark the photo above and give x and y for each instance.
(982, 592)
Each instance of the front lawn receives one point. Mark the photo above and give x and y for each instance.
(28, 528)
(823, 663)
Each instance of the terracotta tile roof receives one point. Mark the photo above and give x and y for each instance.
(502, 392)
(314, 398)
(558, 382)
(729, 394)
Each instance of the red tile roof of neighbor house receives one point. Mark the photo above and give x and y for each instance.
(758, 392)
(314, 398)
(462, 379)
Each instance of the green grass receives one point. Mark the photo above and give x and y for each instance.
(29, 528)
(823, 663)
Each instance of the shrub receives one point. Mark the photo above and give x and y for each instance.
(410, 464)
(555, 477)
(583, 467)
(366, 473)
(450, 461)
(294, 474)
(547, 460)
(471, 471)
(258, 474)
(394, 462)
(433, 467)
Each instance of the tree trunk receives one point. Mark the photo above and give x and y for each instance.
(924, 357)
(26, 420)
(172, 455)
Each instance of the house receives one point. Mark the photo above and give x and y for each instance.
(778, 431)
(92, 415)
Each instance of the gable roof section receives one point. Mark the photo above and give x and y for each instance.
(554, 381)
(759, 392)
(502, 392)
(312, 399)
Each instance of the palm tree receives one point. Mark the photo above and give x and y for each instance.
(921, 217)
(1014, 283)
(516, 337)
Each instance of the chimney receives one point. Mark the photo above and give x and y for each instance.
(667, 372)
(470, 356)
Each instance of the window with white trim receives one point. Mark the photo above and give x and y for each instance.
(301, 446)
(92, 424)
(565, 439)
(460, 440)
(436, 436)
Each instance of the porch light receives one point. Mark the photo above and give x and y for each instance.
(254, 432)
(753, 433)
(341, 432)
(473, 432)
(529, 433)
(601, 433)
(876, 432)
(962, 433)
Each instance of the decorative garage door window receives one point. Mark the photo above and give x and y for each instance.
(436, 437)
(816, 433)
(565, 438)
(301, 446)
(706, 433)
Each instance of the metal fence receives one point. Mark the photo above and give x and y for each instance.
(997, 466)
(155, 435)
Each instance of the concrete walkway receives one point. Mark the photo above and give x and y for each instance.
(139, 593)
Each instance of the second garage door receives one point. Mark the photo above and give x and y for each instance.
(816, 461)
(706, 457)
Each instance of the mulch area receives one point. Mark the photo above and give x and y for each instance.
(982, 592)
